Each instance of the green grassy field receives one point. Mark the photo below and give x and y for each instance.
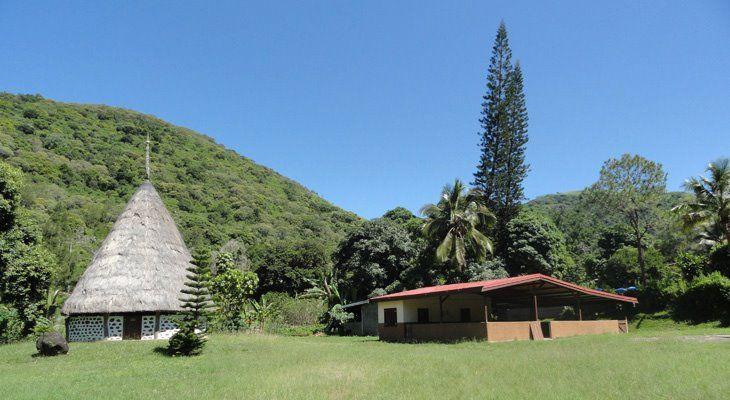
(656, 361)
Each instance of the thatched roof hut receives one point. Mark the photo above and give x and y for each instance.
(140, 267)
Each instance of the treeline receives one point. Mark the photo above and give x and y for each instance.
(624, 233)
(581, 237)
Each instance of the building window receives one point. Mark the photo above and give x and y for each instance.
(391, 316)
(465, 315)
(423, 315)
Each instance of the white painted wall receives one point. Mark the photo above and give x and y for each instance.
(398, 305)
(408, 309)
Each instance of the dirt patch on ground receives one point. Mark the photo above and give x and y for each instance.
(707, 338)
(644, 339)
(693, 338)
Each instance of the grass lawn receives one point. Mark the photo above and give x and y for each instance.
(657, 361)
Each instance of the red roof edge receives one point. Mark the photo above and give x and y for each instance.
(487, 286)
(567, 285)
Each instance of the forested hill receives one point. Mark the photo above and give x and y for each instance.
(81, 164)
(569, 200)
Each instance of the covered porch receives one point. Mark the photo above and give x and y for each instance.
(529, 307)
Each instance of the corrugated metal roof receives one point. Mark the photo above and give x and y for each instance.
(494, 284)
(356, 304)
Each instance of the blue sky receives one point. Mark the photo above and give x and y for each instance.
(375, 104)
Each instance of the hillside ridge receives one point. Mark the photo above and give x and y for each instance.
(82, 162)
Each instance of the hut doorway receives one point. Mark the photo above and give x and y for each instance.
(132, 327)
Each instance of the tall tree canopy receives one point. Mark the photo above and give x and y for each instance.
(374, 259)
(502, 168)
(710, 207)
(26, 267)
(632, 188)
(536, 245)
(288, 266)
(457, 224)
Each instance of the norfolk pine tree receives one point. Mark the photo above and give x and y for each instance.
(502, 169)
(196, 301)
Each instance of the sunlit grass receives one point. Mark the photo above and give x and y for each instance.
(651, 363)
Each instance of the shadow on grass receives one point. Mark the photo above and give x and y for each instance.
(161, 350)
(41, 355)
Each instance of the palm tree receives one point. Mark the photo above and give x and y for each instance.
(456, 223)
(710, 208)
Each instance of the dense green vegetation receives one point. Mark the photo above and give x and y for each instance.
(81, 163)
(659, 360)
(66, 171)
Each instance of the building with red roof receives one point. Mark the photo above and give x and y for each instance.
(523, 307)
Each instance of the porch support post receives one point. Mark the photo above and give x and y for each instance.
(157, 324)
(441, 307)
(580, 310)
(534, 303)
(486, 321)
(106, 326)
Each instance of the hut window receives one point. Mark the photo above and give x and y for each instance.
(465, 315)
(148, 327)
(86, 329)
(391, 316)
(114, 326)
(423, 315)
(168, 327)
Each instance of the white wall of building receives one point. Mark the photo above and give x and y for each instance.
(398, 305)
(408, 309)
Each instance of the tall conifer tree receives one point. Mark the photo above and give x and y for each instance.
(516, 141)
(502, 169)
(190, 339)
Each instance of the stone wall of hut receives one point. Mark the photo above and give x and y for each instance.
(90, 328)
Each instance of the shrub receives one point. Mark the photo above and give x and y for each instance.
(257, 314)
(706, 299)
(720, 259)
(293, 311)
(230, 291)
(336, 318)
(622, 268)
(302, 330)
(658, 295)
(691, 264)
(186, 343)
(25, 128)
(43, 325)
(11, 326)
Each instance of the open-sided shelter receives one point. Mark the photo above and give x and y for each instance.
(498, 310)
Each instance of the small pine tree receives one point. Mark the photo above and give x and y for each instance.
(189, 340)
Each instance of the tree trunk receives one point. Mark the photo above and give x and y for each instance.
(635, 224)
(640, 259)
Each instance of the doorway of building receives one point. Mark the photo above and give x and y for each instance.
(132, 327)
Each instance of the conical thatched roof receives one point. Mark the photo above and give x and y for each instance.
(141, 265)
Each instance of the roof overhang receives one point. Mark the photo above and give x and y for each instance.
(515, 288)
(549, 287)
(356, 304)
